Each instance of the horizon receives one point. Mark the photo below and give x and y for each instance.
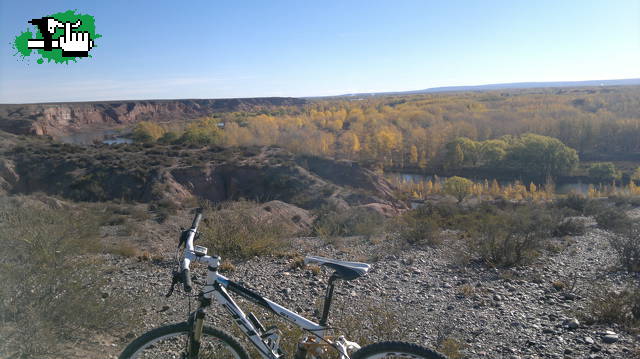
(285, 49)
(381, 93)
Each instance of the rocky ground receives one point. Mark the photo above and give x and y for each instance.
(423, 295)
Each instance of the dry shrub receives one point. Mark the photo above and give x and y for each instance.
(414, 228)
(451, 347)
(627, 247)
(335, 222)
(51, 285)
(234, 231)
(614, 220)
(608, 306)
(511, 238)
(374, 321)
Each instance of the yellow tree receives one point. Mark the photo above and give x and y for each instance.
(349, 143)
(146, 131)
(458, 187)
(423, 159)
(413, 157)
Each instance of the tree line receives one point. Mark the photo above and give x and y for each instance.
(417, 131)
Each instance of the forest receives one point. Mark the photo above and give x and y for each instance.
(438, 132)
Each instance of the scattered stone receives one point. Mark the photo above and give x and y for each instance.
(571, 323)
(610, 338)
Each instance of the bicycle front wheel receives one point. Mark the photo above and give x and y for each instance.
(171, 342)
(384, 350)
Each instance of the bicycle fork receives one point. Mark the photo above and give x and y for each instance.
(195, 337)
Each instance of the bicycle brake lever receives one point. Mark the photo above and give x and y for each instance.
(174, 280)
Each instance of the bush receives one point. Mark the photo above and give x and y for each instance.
(234, 231)
(51, 287)
(414, 229)
(580, 204)
(573, 201)
(620, 307)
(627, 247)
(511, 238)
(570, 227)
(164, 209)
(614, 220)
(334, 222)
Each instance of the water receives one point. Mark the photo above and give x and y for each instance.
(117, 140)
(86, 137)
(565, 188)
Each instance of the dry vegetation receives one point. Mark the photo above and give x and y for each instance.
(51, 289)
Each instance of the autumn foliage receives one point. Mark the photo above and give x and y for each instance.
(439, 131)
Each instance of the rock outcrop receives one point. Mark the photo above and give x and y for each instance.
(60, 119)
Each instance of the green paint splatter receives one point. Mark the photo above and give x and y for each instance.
(20, 44)
(55, 55)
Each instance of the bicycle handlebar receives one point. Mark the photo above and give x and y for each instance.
(188, 254)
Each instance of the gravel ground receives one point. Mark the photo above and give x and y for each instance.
(515, 313)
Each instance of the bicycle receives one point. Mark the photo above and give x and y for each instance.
(192, 339)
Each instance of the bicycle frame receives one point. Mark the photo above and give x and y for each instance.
(218, 286)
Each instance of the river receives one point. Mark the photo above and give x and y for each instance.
(564, 188)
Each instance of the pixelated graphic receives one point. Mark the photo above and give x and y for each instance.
(59, 38)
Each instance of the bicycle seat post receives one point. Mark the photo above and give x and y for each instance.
(327, 299)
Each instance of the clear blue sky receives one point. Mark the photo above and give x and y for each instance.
(214, 49)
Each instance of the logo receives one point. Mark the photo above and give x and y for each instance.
(58, 38)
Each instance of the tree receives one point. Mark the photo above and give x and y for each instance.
(492, 152)
(470, 150)
(169, 137)
(458, 187)
(203, 132)
(603, 172)
(146, 131)
(349, 143)
(455, 157)
(414, 155)
(541, 156)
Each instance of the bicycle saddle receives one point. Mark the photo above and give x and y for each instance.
(345, 270)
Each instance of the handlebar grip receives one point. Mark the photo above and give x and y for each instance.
(196, 220)
(186, 280)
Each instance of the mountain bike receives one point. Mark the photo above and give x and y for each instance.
(193, 339)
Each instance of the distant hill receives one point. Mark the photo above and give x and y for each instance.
(508, 86)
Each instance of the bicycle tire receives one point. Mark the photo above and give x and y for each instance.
(396, 349)
(162, 342)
